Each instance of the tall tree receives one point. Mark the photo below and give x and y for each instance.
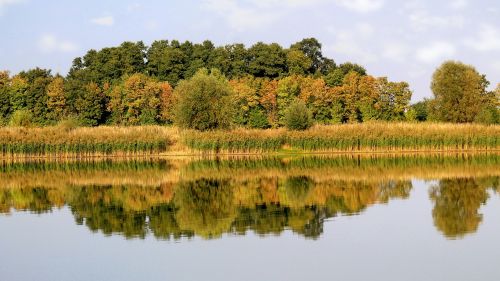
(459, 91)
(56, 99)
(267, 60)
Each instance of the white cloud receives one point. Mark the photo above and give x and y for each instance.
(436, 51)
(243, 17)
(49, 43)
(5, 3)
(421, 20)
(362, 6)
(104, 21)
(488, 39)
(247, 14)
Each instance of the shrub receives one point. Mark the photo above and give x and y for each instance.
(298, 117)
(488, 116)
(257, 119)
(21, 118)
(204, 102)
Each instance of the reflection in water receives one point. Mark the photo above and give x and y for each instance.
(457, 203)
(204, 198)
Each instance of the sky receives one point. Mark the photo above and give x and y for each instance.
(403, 40)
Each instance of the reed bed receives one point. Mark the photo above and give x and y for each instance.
(84, 142)
(367, 137)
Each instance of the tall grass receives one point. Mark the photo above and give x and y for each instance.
(350, 138)
(58, 141)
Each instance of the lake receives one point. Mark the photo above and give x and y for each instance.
(337, 217)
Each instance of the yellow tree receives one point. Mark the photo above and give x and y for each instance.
(269, 100)
(166, 102)
(56, 99)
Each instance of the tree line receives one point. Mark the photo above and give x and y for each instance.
(263, 86)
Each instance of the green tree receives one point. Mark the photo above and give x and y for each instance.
(298, 116)
(5, 104)
(35, 96)
(297, 62)
(267, 60)
(204, 102)
(90, 106)
(311, 48)
(459, 91)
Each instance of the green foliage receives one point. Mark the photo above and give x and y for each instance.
(460, 92)
(266, 60)
(421, 110)
(21, 118)
(257, 119)
(91, 105)
(298, 117)
(488, 115)
(204, 102)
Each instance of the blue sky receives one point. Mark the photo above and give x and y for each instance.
(404, 40)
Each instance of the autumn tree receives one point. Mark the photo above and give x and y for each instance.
(56, 99)
(459, 92)
(136, 100)
(34, 98)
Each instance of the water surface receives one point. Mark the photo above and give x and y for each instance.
(412, 217)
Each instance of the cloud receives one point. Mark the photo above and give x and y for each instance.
(362, 6)
(5, 3)
(49, 43)
(421, 20)
(487, 39)
(436, 51)
(104, 21)
(242, 17)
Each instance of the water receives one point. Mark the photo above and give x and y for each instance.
(407, 217)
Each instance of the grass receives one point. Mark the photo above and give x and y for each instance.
(156, 140)
(99, 141)
(370, 137)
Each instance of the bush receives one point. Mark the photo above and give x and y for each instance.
(298, 117)
(257, 119)
(488, 116)
(21, 118)
(69, 124)
(204, 102)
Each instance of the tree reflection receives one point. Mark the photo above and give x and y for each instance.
(456, 206)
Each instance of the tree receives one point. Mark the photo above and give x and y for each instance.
(35, 96)
(298, 116)
(136, 100)
(311, 48)
(288, 90)
(56, 99)
(393, 100)
(90, 105)
(421, 109)
(204, 102)
(459, 91)
(297, 62)
(267, 60)
(5, 105)
(167, 62)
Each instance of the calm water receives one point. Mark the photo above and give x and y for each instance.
(297, 218)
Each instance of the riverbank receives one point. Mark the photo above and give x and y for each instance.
(168, 141)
